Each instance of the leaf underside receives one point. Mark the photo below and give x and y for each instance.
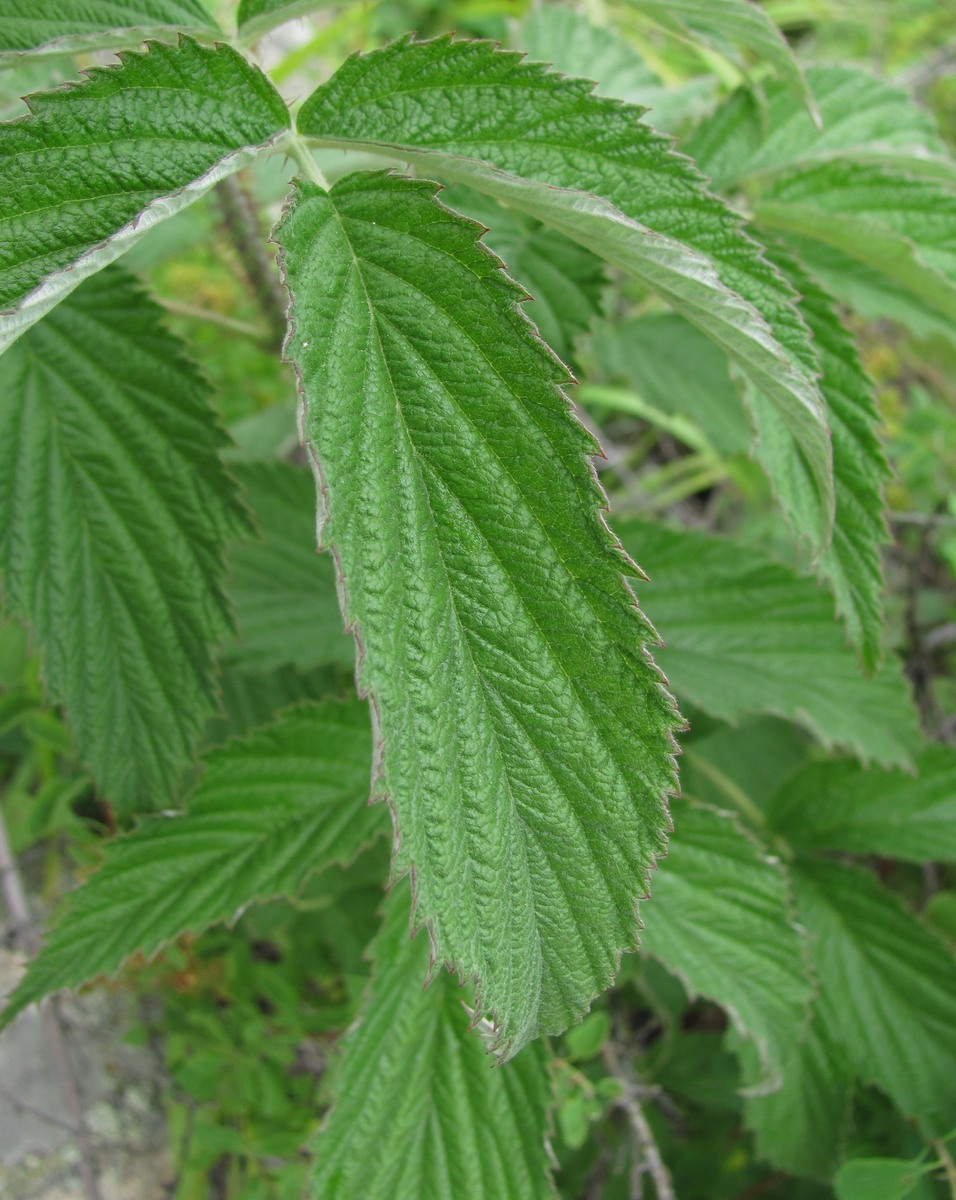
(419, 1108)
(95, 164)
(526, 736)
(66, 26)
(114, 516)
(268, 811)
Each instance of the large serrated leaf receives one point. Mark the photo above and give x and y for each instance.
(888, 989)
(287, 608)
(268, 811)
(721, 919)
(419, 1110)
(841, 806)
(525, 733)
(745, 634)
(96, 164)
(70, 26)
(588, 167)
(114, 517)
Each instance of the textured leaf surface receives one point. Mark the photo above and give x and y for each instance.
(268, 811)
(589, 168)
(287, 609)
(864, 118)
(802, 1126)
(841, 806)
(114, 516)
(419, 1108)
(729, 25)
(95, 164)
(902, 226)
(526, 735)
(852, 561)
(720, 919)
(564, 280)
(67, 26)
(744, 634)
(888, 989)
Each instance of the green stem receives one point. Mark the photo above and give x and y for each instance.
(298, 150)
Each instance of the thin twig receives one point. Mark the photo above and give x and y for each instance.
(13, 893)
(243, 224)
(256, 333)
(21, 1106)
(946, 1159)
(643, 1135)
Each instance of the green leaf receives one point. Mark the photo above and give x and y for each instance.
(73, 26)
(587, 167)
(525, 735)
(564, 280)
(267, 812)
(720, 919)
(878, 1178)
(864, 119)
(744, 634)
(114, 516)
(287, 609)
(725, 25)
(256, 17)
(900, 225)
(419, 1108)
(852, 562)
(841, 806)
(96, 164)
(802, 1126)
(888, 989)
(567, 40)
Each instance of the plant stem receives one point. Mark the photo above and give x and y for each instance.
(241, 219)
(297, 150)
(211, 317)
(946, 1159)
(643, 1135)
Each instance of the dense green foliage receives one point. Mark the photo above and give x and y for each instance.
(506, 258)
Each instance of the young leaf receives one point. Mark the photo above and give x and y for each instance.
(726, 24)
(744, 634)
(419, 1109)
(720, 920)
(888, 989)
(525, 735)
(852, 561)
(72, 26)
(267, 812)
(114, 516)
(548, 147)
(287, 609)
(95, 164)
(841, 806)
(864, 119)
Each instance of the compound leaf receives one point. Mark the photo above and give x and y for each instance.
(744, 634)
(589, 168)
(115, 512)
(268, 811)
(96, 164)
(419, 1108)
(842, 806)
(287, 608)
(71, 26)
(526, 736)
(720, 919)
(888, 989)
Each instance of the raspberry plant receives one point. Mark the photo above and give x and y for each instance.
(507, 706)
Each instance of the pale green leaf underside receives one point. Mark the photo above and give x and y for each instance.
(95, 164)
(256, 17)
(720, 920)
(466, 112)
(70, 26)
(888, 989)
(729, 25)
(842, 806)
(268, 811)
(420, 1112)
(284, 593)
(114, 517)
(744, 634)
(526, 737)
(864, 118)
(852, 562)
